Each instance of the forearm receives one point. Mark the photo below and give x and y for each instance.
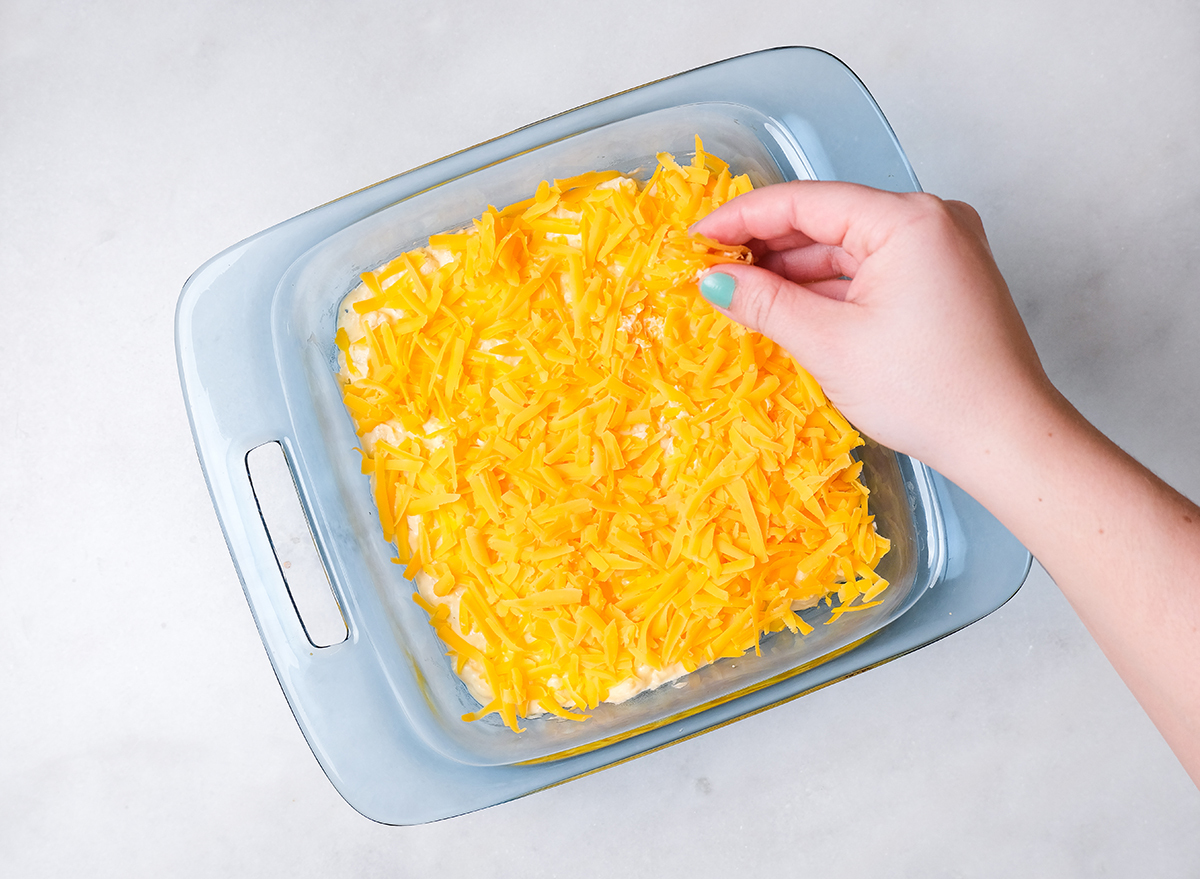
(1122, 546)
(856, 283)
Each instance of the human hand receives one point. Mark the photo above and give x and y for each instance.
(895, 305)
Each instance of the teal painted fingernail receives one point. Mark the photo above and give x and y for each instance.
(717, 288)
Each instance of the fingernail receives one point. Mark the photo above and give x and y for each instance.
(717, 288)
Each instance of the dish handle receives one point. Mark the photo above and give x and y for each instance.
(298, 562)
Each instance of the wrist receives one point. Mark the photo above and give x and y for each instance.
(1029, 450)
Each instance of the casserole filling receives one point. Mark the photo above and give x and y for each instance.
(596, 483)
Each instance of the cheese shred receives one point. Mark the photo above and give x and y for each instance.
(597, 484)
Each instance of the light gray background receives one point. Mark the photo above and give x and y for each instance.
(141, 728)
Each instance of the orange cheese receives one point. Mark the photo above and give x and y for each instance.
(599, 480)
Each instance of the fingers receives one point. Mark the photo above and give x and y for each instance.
(968, 218)
(809, 265)
(764, 302)
(792, 215)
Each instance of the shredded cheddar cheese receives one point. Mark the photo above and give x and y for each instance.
(597, 484)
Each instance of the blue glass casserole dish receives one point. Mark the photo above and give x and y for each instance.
(381, 708)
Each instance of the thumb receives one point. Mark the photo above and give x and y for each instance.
(760, 300)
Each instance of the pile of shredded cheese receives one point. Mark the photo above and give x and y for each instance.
(598, 484)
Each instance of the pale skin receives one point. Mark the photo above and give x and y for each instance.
(895, 304)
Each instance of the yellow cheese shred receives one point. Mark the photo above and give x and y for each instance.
(596, 478)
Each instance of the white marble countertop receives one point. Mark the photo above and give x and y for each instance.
(142, 731)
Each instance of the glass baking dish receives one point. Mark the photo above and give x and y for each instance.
(379, 709)
(304, 315)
